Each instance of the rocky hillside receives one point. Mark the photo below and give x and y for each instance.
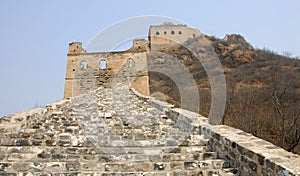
(263, 88)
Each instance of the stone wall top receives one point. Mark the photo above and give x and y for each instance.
(243, 151)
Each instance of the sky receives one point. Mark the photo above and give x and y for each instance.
(34, 35)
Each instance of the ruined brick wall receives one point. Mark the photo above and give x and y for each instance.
(140, 45)
(88, 71)
(84, 72)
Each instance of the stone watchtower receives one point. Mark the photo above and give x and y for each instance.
(87, 71)
(169, 34)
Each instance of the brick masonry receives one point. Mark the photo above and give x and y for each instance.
(95, 134)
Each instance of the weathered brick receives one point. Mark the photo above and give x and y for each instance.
(72, 166)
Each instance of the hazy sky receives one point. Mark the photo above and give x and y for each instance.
(35, 35)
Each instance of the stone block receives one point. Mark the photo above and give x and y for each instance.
(7, 142)
(21, 167)
(5, 166)
(51, 142)
(176, 165)
(191, 165)
(159, 166)
(73, 166)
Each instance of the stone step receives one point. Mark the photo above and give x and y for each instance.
(145, 166)
(112, 149)
(15, 154)
(152, 149)
(229, 171)
(108, 150)
(65, 136)
(42, 157)
(151, 173)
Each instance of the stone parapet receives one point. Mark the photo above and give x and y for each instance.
(241, 150)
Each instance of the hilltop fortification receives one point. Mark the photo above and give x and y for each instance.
(88, 71)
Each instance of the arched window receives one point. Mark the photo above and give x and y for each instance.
(83, 65)
(179, 32)
(172, 32)
(102, 64)
(130, 63)
(157, 33)
(165, 32)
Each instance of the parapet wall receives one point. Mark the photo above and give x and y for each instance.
(249, 154)
(252, 155)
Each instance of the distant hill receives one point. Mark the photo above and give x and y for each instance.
(263, 88)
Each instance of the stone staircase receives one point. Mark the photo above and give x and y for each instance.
(109, 132)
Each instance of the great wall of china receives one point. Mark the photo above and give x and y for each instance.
(105, 130)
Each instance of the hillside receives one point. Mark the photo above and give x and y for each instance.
(263, 88)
